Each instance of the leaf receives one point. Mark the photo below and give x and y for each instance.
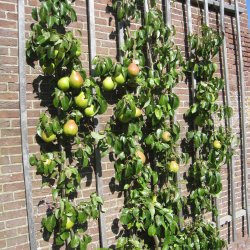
(151, 210)
(74, 241)
(50, 21)
(155, 177)
(50, 223)
(120, 13)
(175, 101)
(82, 217)
(152, 230)
(97, 136)
(54, 193)
(64, 235)
(59, 241)
(126, 218)
(33, 160)
(34, 14)
(103, 105)
(158, 113)
(43, 14)
(65, 103)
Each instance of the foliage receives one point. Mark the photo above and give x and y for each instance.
(144, 110)
(142, 136)
(212, 144)
(64, 158)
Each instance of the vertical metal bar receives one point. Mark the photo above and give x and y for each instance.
(242, 112)
(120, 38)
(206, 15)
(167, 12)
(190, 31)
(99, 181)
(228, 102)
(23, 123)
(146, 6)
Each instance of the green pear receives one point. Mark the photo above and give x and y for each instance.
(63, 83)
(90, 111)
(81, 101)
(46, 138)
(108, 84)
(120, 79)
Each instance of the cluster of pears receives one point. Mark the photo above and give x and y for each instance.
(70, 128)
(110, 83)
(75, 81)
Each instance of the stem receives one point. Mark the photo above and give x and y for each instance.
(157, 242)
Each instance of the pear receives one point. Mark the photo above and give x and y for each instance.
(81, 101)
(70, 128)
(48, 138)
(63, 83)
(166, 136)
(141, 155)
(90, 111)
(133, 70)
(75, 80)
(217, 144)
(120, 79)
(138, 112)
(108, 84)
(173, 167)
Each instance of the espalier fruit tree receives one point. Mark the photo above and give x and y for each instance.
(211, 141)
(142, 134)
(66, 127)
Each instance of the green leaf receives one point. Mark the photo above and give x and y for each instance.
(74, 243)
(50, 223)
(155, 177)
(152, 230)
(82, 217)
(126, 218)
(158, 113)
(64, 236)
(65, 103)
(33, 160)
(175, 101)
(97, 136)
(151, 210)
(34, 14)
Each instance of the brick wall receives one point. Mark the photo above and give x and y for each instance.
(13, 219)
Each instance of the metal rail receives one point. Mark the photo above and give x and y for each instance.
(190, 31)
(120, 38)
(228, 218)
(206, 16)
(229, 8)
(167, 12)
(242, 113)
(23, 124)
(229, 121)
(98, 166)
